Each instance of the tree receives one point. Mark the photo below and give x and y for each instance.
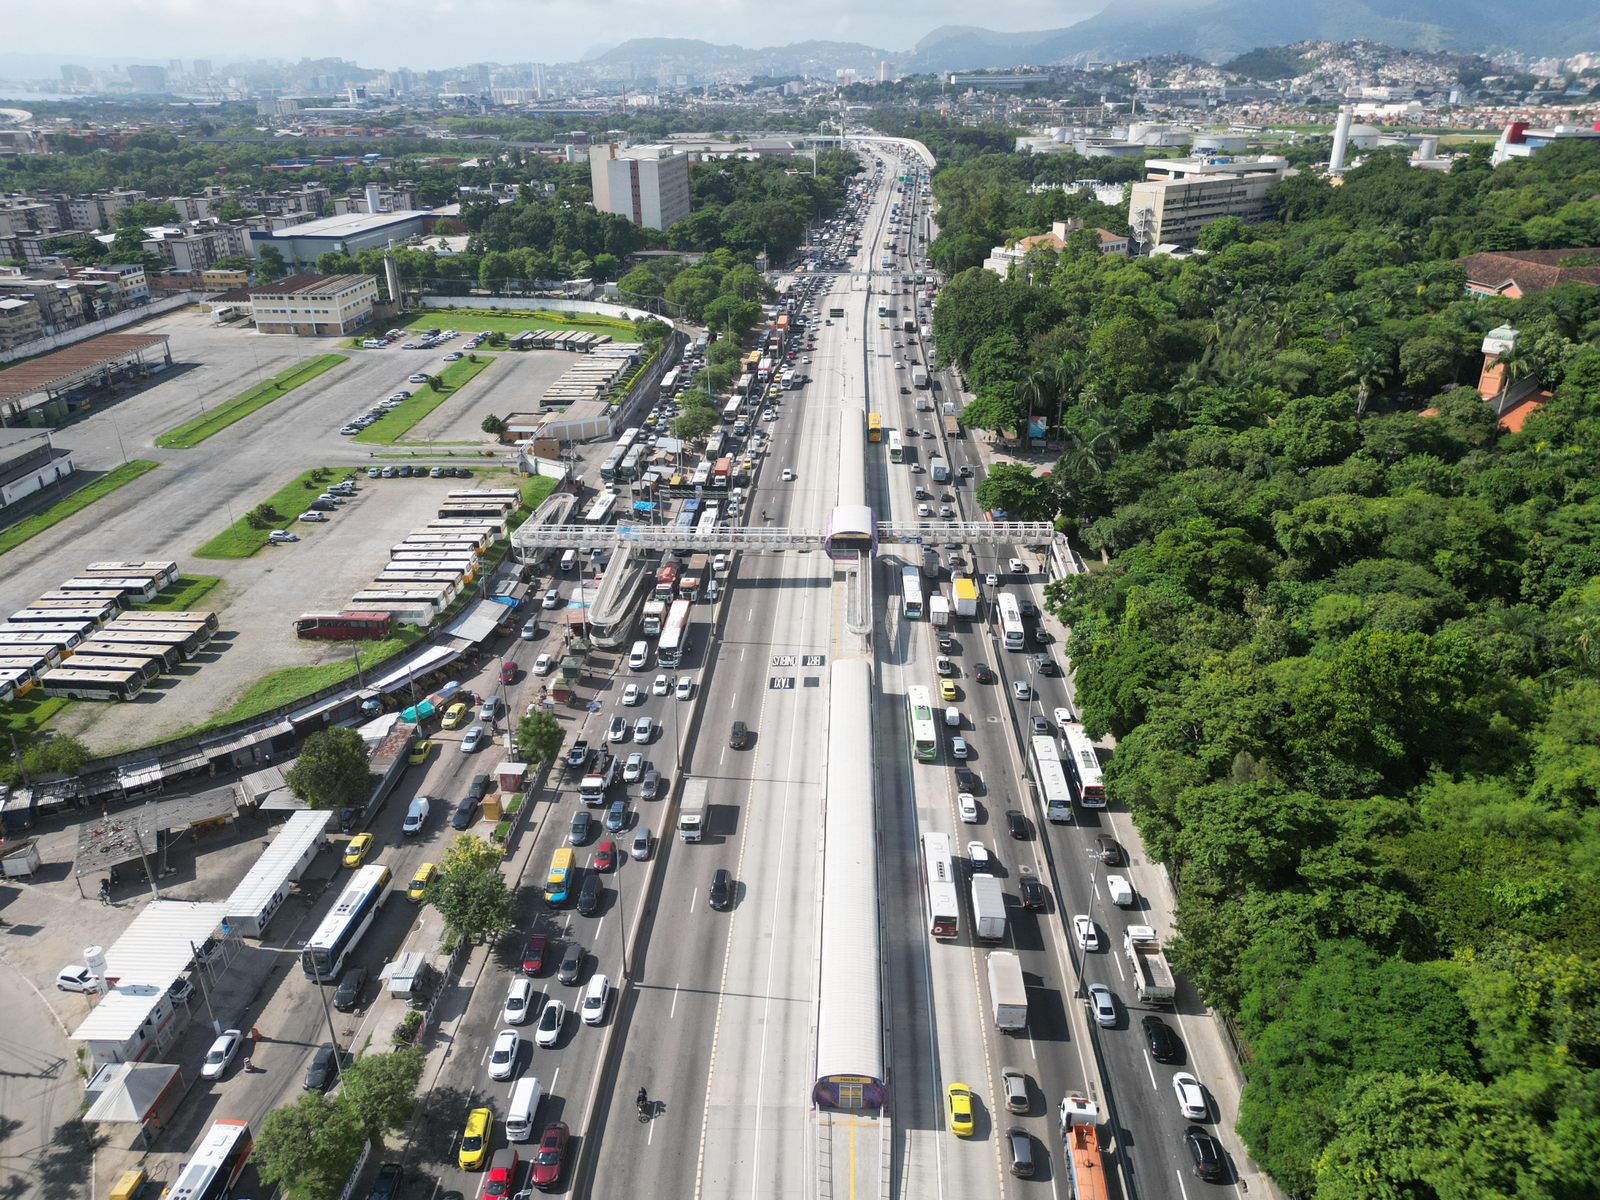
(492, 424)
(994, 412)
(382, 1090)
(539, 737)
(331, 771)
(309, 1148)
(1369, 371)
(693, 424)
(469, 891)
(272, 264)
(62, 754)
(1015, 489)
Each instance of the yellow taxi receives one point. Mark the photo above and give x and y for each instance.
(475, 1139)
(425, 875)
(960, 1098)
(419, 752)
(455, 716)
(947, 689)
(358, 848)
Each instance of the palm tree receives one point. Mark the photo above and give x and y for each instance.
(1518, 361)
(1091, 447)
(1348, 309)
(1368, 372)
(1184, 391)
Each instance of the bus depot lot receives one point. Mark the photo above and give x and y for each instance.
(514, 382)
(256, 604)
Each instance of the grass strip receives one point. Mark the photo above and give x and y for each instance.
(25, 717)
(295, 683)
(192, 433)
(181, 595)
(508, 322)
(388, 429)
(14, 535)
(279, 511)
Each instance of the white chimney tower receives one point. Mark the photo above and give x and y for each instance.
(372, 197)
(1341, 139)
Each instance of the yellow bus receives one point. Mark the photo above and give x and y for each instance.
(558, 884)
(874, 427)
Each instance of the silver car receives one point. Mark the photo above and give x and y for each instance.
(1103, 1004)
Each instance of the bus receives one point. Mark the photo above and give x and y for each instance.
(199, 618)
(14, 645)
(92, 685)
(939, 886)
(608, 469)
(924, 737)
(600, 511)
(342, 626)
(730, 410)
(216, 1164)
(1010, 621)
(632, 463)
(911, 593)
(1085, 764)
(106, 658)
(181, 642)
(874, 427)
(896, 447)
(343, 928)
(558, 883)
(1051, 777)
(674, 635)
(35, 664)
(168, 655)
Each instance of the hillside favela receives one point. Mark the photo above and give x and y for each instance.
(658, 602)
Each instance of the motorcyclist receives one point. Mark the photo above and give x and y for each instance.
(643, 1101)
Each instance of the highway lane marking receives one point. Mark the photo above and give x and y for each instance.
(672, 1013)
(693, 896)
(1153, 1084)
(1181, 1188)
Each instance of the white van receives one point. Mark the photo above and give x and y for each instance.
(639, 656)
(524, 1103)
(569, 560)
(416, 816)
(594, 1000)
(952, 717)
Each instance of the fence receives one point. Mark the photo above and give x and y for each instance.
(95, 328)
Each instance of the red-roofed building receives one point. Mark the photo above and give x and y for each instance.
(1516, 273)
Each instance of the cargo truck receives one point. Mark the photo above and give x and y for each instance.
(988, 908)
(1008, 996)
(919, 376)
(592, 790)
(930, 562)
(694, 574)
(952, 426)
(966, 594)
(692, 810)
(939, 610)
(719, 473)
(910, 325)
(927, 332)
(940, 469)
(654, 611)
(1152, 978)
(666, 582)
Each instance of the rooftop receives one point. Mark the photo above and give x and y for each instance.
(63, 366)
(146, 960)
(1531, 270)
(300, 284)
(347, 224)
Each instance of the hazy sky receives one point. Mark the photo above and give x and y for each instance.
(441, 33)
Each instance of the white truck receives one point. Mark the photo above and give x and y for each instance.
(592, 789)
(654, 611)
(966, 594)
(1008, 997)
(939, 610)
(692, 810)
(1152, 978)
(1121, 890)
(919, 376)
(20, 860)
(988, 908)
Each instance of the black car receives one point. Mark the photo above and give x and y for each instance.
(1020, 1144)
(1032, 891)
(1029, 608)
(1163, 1043)
(1206, 1154)
(387, 1182)
(721, 890)
(349, 989)
(1109, 850)
(463, 816)
(649, 784)
(480, 786)
(320, 1070)
(1017, 824)
(982, 673)
(571, 964)
(968, 781)
(589, 895)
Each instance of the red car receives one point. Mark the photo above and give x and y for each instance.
(605, 855)
(508, 671)
(551, 1158)
(502, 1178)
(533, 955)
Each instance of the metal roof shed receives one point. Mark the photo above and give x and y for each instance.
(262, 892)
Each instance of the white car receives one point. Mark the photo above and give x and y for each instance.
(1063, 717)
(549, 1031)
(519, 1001)
(991, 579)
(543, 664)
(1016, 567)
(503, 1059)
(661, 686)
(630, 695)
(1020, 689)
(221, 1054)
(618, 731)
(1191, 1096)
(594, 1000)
(282, 535)
(978, 855)
(311, 518)
(924, 511)
(787, 475)
(633, 768)
(967, 804)
(642, 730)
(552, 599)
(1088, 935)
(685, 688)
(1103, 1005)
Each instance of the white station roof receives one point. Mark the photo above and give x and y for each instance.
(145, 961)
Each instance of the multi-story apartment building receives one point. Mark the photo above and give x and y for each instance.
(1181, 196)
(647, 184)
(20, 322)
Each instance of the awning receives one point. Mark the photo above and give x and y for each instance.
(417, 712)
(477, 623)
(129, 1092)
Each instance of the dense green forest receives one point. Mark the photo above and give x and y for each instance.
(1346, 632)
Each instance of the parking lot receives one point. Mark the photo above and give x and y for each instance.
(193, 494)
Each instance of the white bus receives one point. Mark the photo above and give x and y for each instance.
(911, 593)
(897, 452)
(924, 735)
(674, 634)
(600, 511)
(1085, 764)
(702, 475)
(340, 931)
(1051, 777)
(939, 886)
(216, 1164)
(1010, 621)
(730, 410)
